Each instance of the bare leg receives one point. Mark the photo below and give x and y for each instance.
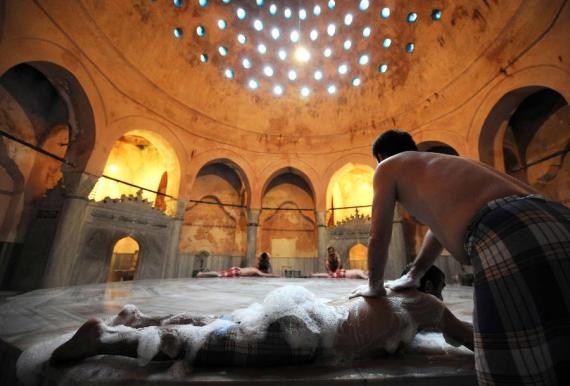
(131, 316)
(95, 338)
(355, 274)
(208, 274)
(252, 271)
(323, 275)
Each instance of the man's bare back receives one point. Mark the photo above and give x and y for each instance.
(444, 192)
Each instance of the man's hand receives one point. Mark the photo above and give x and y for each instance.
(368, 292)
(409, 280)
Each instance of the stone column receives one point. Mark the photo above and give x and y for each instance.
(173, 260)
(65, 248)
(322, 234)
(252, 226)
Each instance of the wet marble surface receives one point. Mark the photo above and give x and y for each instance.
(41, 315)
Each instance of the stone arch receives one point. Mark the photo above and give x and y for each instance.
(299, 168)
(124, 261)
(357, 256)
(501, 100)
(356, 178)
(141, 157)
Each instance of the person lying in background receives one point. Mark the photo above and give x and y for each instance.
(343, 274)
(262, 268)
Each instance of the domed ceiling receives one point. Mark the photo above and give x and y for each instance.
(306, 68)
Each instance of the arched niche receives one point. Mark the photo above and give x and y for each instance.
(287, 220)
(142, 158)
(526, 135)
(358, 257)
(349, 186)
(125, 260)
(215, 219)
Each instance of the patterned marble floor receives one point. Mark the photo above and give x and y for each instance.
(41, 315)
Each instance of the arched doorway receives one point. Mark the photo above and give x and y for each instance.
(144, 159)
(124, 261)
(358, 257)
(350, 186)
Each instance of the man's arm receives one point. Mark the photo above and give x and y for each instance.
(380, 230)
(430, 250)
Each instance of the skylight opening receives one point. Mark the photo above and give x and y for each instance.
(331, 4)
(287, 13)
(222, 24)
(253, 84)
(331, 29)
(273, 9)
(363, 60)
(318, 75)
(302, 54)
(356, 82)
(348, 19)
(436, 14)
(386, 42)
(246, 63)
(268, 71)
(410, 47)
(292, 75)
(204, 58)
(364, 4)
(259, 3)
(294, 36)
(305, 91)
(282, 54)
(278, 89)
(223, 51)
(366, 32)
(178, 32)
(331, 89)
(317, 10)
(275, 33)
(314, 35)
(258, 25)
(226, 1)
(342, 69)
(229, 73)
(383, 68)
(262, 48)
(178, 3)
(327, 52)
(347, 44)
(241, 13)
(412, 17)
(385, 13)
(241, 39)
(302, 14)
(200, 31)
(201, 3)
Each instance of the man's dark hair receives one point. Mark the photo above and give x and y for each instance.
(392, 142)
(434, 278)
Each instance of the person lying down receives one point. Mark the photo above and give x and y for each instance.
(291, 326)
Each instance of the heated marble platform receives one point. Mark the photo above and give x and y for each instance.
(41, 315)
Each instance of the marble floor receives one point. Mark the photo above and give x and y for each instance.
(38, 316)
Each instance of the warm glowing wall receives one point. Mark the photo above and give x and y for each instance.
(140, 158)
(289, 233)
(214, 228)
(351, 185)
(358, 257)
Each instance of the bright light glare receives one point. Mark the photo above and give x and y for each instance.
(314, 35)
(348, 19)
(278, 89)
(305, 91)
(268, 71)
(282, 54)
(331, 89)
(258, 25)
(302, 54)
(327, 52)
(342, 69)
(292, 75)
(318, 75)
(331, 29)
(275, 33)
(253, 84)
(294, 36)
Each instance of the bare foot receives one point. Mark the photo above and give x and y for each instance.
(85, 343)
(128, 316)
(407, 281)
